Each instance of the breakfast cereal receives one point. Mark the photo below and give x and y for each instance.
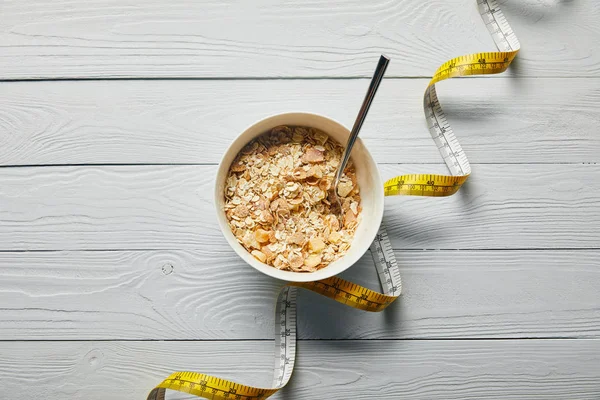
(279, 204)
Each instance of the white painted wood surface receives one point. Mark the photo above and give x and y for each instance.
(503, 206)
(496, 369)
(113, 276)
(188, 295)
(184, 38)
(125, 122)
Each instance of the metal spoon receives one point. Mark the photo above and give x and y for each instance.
(360, 118)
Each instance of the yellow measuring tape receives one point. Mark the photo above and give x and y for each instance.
(351, 294)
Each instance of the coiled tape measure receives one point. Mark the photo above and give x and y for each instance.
(351, 294)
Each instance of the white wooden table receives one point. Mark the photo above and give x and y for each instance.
(113, 272)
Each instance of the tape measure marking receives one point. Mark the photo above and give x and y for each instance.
(348, 293)
(439, 128)
(285, 342)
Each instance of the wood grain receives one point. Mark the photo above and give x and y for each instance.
(171, 207)
(130, 122)
(116, 39)
(202, 295)
(549, 369)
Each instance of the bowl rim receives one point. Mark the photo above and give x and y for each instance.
(339, 265)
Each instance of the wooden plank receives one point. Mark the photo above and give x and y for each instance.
(201, 295)
(108, 39)
(129, 122)
(549, 369)
(171, 207)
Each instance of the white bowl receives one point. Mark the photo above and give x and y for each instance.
(371, 190)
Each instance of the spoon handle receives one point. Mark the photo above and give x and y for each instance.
(364, 109)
